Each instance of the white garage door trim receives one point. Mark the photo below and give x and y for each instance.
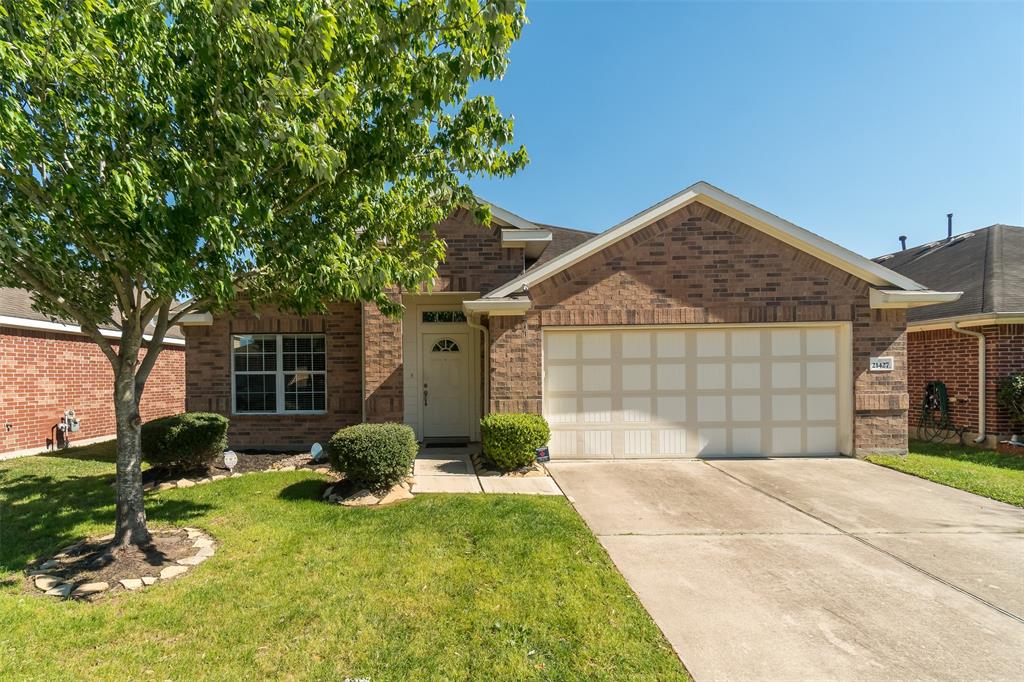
(669, 391)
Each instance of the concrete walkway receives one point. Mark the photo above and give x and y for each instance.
(812, 569)
(449, 470)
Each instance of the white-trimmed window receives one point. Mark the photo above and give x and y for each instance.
(278, 373)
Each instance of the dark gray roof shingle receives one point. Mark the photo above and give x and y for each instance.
(986, 264)
(562, 239)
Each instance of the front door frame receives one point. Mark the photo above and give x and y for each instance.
(412, 353)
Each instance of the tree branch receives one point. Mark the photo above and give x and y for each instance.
(153, 349)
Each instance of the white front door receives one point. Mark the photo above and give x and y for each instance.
(445, 393)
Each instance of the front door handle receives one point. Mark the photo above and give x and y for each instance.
(424, 395)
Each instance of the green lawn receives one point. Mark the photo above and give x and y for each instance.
(983, 472)
(440, 587)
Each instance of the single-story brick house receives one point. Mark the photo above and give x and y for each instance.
(48, 367)
(945, 341)
(701, 326)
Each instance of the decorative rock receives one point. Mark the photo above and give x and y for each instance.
(172, 572)
(62, 590)
(132, 583)
(185, 483)
(396, 494)
(87, 589)
(328, 493)
(203, 541)
(218, 477)
(321, 470)
(205, 551)
(287, 468)
(47, 565)
(192, 560)
(47, 582)
(148, 580)
(166, 485)
(236, 474)
(363, 498)
(335, 499)
(201, 481)
(106, 538)
(146, 487)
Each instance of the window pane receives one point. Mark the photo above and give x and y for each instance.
(255, 393)
(439, 316)
(304, 391)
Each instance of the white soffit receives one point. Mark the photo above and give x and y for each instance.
(533, 242)
(497, 307)
(734, 207)
(888, 298)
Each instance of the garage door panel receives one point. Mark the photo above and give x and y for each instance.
(676, 392)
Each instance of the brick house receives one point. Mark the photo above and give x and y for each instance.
(701, 326)
(945, 341)
(47, 367)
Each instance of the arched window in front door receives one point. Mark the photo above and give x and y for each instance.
(445, 346)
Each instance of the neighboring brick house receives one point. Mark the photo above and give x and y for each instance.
(48, 367)
(702, 326)
(943, 342)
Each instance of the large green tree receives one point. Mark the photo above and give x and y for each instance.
(292, 152)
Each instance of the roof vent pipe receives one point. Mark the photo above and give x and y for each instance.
(903, 242)
(949, 227)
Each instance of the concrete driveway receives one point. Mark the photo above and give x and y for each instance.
(812, 569)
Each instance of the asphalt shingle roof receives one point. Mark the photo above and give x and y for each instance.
(986, 264)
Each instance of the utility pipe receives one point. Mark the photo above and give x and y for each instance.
(473, 321)
(981, 377)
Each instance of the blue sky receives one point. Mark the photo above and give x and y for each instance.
(857, 121)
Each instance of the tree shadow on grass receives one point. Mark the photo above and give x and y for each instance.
(307, 489)
(105, 451)
(39, 514)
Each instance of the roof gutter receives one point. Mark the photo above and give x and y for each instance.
(981, 378)
(497, 306)
(61, 328)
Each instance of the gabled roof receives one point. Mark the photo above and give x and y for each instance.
(734, 207)
(16, 311)
(986, 264)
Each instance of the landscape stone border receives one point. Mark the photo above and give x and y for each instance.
(47, 579)
(365, 498)
(190, 482)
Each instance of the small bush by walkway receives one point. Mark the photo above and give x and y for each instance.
(983, 472)
(439, 587)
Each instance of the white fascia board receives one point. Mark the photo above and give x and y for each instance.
(976, 320)
(196, 320)
(508, 217)
(497, 307)
(734, 207)
(889, 298)
(61, 328)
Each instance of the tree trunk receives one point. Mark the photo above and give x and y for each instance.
(131, 526)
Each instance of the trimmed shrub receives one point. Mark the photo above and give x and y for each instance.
(186, 441)
(511, 440)
(1011, 397)
(373, 455)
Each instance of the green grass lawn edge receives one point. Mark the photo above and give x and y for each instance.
(975, 470)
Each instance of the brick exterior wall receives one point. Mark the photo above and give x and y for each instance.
(700, 266)
(208, 374)
(44, 373)
(696, 266)
(357, 336)
(476, 262)
(952, 358)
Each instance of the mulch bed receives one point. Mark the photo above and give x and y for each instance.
(248, 462)
(90, 561)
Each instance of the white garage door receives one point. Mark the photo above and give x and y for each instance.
(695, 392)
